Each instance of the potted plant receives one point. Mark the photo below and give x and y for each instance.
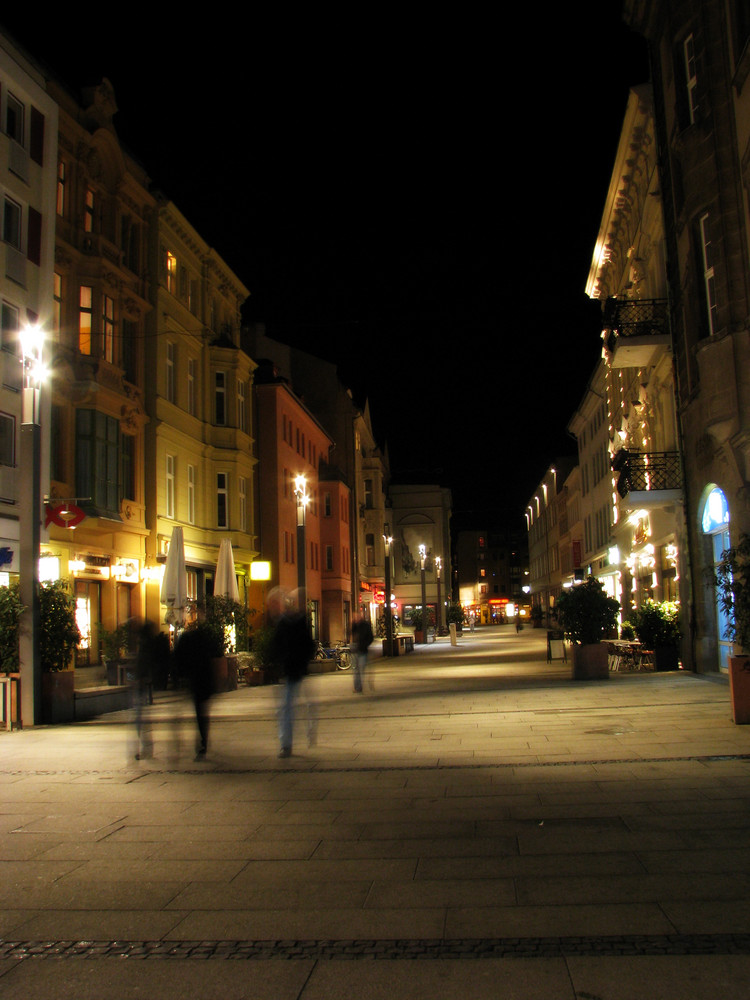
(732, 583)
(262, 669)
(658, 628)
(627, 632)
(11, 609)
(455, 615)
(588, 615)
(114, 645)
(227, 620)
(58, 637)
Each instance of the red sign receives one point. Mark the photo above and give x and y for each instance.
(64, 515)
(378, 595)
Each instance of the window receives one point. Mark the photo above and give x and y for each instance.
(127, 459)
(98, 460)
(169, 373)
(108, 328)
(7, 439)
(709, 284)
(368, 494)
(171, 272)
(12, 223)
(222, 500)
(10, 327)
(184, 284)
(169, 505)
(327, 509)
(130, 243)
(191, 494)
(691, 77)
(88, 211)
(220, 399)
(370, 549)
(242, 499)
(191, 387)
(129, 359)
(241, 406)
(57, 313)
(61, 182)
(14, 119)
(85, 314)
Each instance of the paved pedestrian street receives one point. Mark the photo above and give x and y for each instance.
(475, 824)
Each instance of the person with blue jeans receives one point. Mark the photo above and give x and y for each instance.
(292, 648)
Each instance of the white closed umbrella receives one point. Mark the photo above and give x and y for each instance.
(225, 582)
(174, 584)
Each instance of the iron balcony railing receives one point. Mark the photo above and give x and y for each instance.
(647, 471)
(634, 318)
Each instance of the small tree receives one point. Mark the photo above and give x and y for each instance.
(658, 625)
(455, 614)
(58, 632)
(586, 613)
(732, 582)
(11, 610)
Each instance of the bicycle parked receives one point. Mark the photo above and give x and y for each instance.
(339, 653)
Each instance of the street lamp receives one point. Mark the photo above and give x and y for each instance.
(422, 557)
(440, 626)
(30, 495)
(387, 539)
(303, 498)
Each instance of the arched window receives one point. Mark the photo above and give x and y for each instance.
(715, 524)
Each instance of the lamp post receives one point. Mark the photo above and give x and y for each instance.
(422, 557)
(387, 606)
(300, 491)
(440, 626)
(32, 340)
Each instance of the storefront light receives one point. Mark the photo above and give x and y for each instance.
(49, 569)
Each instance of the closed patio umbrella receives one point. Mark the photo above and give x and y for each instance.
(225, 582)
(174, 585)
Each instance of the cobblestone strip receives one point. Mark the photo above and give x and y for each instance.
(469, 948)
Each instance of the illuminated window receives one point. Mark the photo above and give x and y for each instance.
(85, 314)
(171, 263)
(88, 211)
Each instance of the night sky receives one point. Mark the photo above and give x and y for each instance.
(415, 199)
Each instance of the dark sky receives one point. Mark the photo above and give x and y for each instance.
(415, 199)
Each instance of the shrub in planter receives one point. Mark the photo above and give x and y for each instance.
(11, 609)
(58, 637)
(658, 628)
(587, 614)
(732, 583)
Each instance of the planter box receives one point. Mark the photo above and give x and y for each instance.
(591, 662)
(739, 689)
(58, 697)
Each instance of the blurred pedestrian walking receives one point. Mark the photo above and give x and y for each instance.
(194, 654)
(292, 648)
(361, 641)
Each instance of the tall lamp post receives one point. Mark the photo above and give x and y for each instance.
(422, 557)
(300, 491)
(32, 340)
(440, 626)
(387, 606)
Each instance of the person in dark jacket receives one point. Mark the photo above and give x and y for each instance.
(292, 648)
(194, 654)
(361, 641)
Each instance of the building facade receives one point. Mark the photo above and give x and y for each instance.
(700, 61)
(199, 437)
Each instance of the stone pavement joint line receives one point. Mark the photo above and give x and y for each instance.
(465, 948)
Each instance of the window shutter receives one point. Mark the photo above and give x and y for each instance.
(36, 141)
(34, 241)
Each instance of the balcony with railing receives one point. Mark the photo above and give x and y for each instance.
(648, 479)
(635, 332)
